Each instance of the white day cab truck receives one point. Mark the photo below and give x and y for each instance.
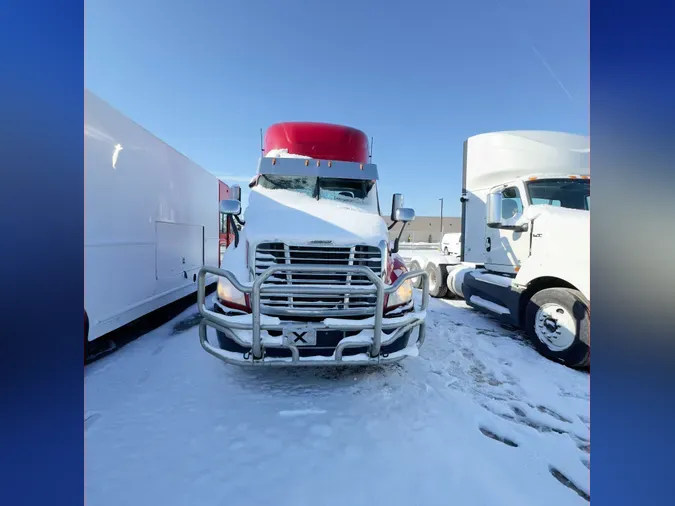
(151, 222)
(525, 245)
(311, 278)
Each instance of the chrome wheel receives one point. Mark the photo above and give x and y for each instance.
(555, 326)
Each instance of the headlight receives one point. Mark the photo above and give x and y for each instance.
(228, 293)
(402, 295)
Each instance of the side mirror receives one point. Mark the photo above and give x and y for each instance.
(404, 214)
(494, 215)
(236, 192)
(396, 203)
(494, 210)
(232, 207)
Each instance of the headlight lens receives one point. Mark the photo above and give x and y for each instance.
(403, 295)
(228, 293)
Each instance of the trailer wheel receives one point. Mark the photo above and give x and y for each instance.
(437, 275)
(415, 266)
(557, 321)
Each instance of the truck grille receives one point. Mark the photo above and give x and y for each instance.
(323, 305)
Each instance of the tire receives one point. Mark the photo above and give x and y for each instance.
(415, 266)
(570, 342)
(437, 280)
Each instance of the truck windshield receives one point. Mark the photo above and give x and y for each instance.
(355, 191)
(569, 193)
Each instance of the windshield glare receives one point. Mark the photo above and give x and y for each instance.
(353, 191)
(569, 193)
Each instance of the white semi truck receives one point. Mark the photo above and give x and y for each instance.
(151, 221)
(312, 278)
(525, 249)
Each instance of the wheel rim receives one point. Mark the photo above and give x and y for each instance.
(555, 326)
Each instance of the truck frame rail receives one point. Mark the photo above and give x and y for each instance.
(369, 329)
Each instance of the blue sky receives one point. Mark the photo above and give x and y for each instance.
(420, 77)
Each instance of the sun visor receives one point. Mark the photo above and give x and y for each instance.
(317, 168)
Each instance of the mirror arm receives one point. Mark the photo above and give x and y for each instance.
(234, 230)
(517, 228)
(393, 224)
(398, 239)
(240, 221)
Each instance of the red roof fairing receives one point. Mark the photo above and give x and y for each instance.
(323, 141)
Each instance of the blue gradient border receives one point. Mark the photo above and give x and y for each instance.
(632, 244)
(41, 215)
(41, 212)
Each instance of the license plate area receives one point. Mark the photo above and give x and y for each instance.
(300, 336)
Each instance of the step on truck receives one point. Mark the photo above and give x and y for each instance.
(525, 249)
(312, 278)
(151, 222)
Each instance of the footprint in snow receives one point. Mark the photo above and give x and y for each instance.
(550, 412)
(568, 483)
(518, 411)
(524, 420)
(501, 439)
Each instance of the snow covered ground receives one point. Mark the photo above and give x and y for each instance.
(479, 418)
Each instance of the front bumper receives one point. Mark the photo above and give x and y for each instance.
(259, 334)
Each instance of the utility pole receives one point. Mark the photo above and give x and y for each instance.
(440, 240)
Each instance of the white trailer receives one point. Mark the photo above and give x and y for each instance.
(525, 249)
(151, 221)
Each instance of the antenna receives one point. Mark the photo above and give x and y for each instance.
(370, 155)
(262, 148)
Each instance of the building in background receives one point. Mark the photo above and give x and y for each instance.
(425, 228)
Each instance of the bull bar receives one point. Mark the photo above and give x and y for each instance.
(372, 326)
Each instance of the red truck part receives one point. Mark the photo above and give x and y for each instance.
(323, 141)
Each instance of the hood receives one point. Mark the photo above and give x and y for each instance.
(560, 218)
(290, 217)
(560, 246)
(564, 232)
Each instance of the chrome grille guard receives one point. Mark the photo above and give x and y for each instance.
(373, 325)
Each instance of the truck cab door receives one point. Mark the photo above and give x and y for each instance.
(506, 249)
